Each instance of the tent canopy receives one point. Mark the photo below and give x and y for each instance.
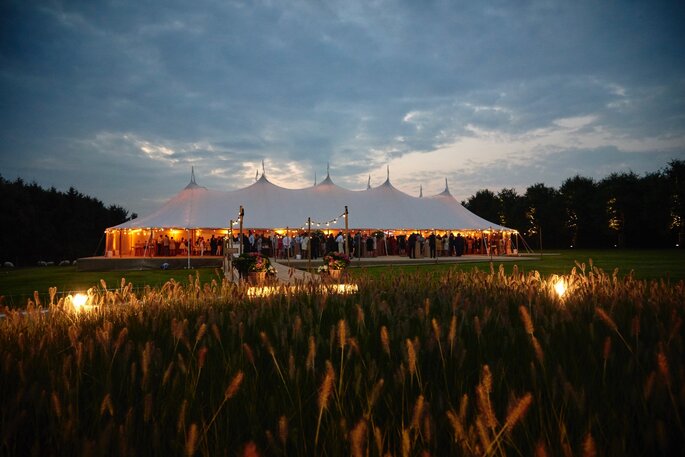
(268, 206)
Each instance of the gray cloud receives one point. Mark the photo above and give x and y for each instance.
(120, 99)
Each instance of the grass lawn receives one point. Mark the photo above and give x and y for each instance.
(19, 284)
(646, 264)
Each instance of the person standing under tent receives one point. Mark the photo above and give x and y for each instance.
(286, 245)
(357, 245)
(172, 247)
(251, 241)
(341, 242)
(431, 245)
(370, 252)
(459, 244)
(315, 245)
(212, 245)
(304, 245)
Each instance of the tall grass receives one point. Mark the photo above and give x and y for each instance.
(457, 363)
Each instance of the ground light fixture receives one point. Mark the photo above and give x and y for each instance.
(79, 302)
(560, 287)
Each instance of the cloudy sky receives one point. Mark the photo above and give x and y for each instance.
(119, 99)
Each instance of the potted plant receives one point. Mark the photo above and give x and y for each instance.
(334, 263)
(253, 266)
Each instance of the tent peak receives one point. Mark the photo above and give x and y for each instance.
(446, 192)
(387, 179)
(192, 184)
(327, 181)
(368, 184)
(420, 190)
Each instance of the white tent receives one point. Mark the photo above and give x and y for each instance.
(268, 206)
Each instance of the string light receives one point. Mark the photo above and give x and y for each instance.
(328, 222)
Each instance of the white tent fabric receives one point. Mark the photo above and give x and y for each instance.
(268, 206)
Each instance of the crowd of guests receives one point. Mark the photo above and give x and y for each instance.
(167, 246)
(367, 244)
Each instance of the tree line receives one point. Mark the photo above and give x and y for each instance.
(50, 225)
(621, 210)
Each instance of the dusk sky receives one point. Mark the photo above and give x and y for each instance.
(119, 99)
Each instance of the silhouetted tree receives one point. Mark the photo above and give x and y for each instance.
(484, 204)
(675, 174)
(621, 196)
(512, 209)
(45, 224)
(543, 213)
(582, 212)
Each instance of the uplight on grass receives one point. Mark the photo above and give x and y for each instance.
(560, 287)
(266, 291)
(79, 301)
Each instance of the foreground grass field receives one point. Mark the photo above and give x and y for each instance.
(449, 363)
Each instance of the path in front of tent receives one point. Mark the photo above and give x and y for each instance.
(289, 274)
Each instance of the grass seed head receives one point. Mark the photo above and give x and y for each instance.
(589, 446)
(342, 333)
(606, 352)
(283, 430)
(311, 354)
(411, 357)
(385, 340)
(326, 386)
(527, 321)
(191, 440)
(604, 317)
(358, 437)
(418, 411)
(519, 411)
(234, 386)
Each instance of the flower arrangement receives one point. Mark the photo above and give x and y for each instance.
(252, 262)
(335, 261)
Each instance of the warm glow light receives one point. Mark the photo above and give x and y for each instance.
(266, 291)
(344, 288)
(560, 288)
(79, 301)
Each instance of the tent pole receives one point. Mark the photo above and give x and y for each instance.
(540, 233)
(490, 243)
(287, 250)
(309, 244)
(229, 245)
(240, 219)
(347, 232)
(517, 242)
(188, 246)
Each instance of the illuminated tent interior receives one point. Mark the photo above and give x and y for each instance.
(197, 211)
